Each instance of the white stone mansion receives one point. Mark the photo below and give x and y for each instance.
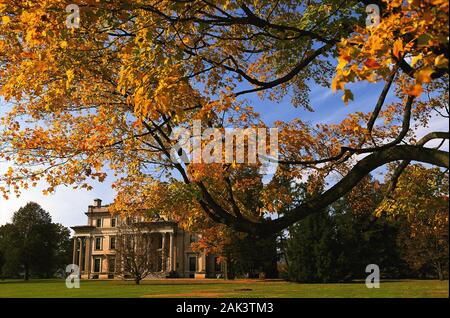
(94, 249)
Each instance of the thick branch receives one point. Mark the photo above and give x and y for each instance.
(345, 185)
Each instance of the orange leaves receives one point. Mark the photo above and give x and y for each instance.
(415, 31)
(398, 49)
(424, 75)
(90, 95)
(372, 64)
(414, 90)
(337, 84)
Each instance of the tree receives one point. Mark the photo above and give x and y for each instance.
(311, 250)
(2, 261)
(420, 204)
(337, 244)
(10, 265)
(63, 247)
(136, 252)
(105, 97)
(32, 244)
(247, 255)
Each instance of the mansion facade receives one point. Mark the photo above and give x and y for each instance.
(94, 248)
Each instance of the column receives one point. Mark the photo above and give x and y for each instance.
(74, 254)
(87, 258)
(81, 252)
(172, 262)
(202, 263)
(163, 252)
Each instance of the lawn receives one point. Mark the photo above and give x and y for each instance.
(218, 288)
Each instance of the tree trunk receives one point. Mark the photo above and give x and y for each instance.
(137, 280)
(439, 271)
(225, 269)
(27, 272)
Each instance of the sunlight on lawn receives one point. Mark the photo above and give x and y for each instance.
(222, 289)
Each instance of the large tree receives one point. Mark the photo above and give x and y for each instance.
(420, 204)
(32, 245)
(105, 97)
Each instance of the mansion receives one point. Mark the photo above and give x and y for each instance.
(94, 248)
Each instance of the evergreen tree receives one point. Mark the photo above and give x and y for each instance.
(338, 244)
(311, 252)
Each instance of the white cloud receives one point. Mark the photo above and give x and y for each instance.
(66, 205)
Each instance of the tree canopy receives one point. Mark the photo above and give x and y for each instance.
(32, 245)
(105, 97)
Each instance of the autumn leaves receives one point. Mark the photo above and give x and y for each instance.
(412, 34)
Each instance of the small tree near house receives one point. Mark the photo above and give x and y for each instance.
(136, 252)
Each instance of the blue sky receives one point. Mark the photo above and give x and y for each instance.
(67, 206)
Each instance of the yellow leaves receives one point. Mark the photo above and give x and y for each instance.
(342, 62)
(187, 40)
(6, 19)
(10, 172)
(440, 61)
(30, 36)
(63, 44)
(70, 76)
(386, 206)
(416, 59)
(424, 75)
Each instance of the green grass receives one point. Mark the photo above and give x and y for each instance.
(218, 288)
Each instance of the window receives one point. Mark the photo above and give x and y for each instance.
(97, 265)
(112, 243)
(113, 222)
(192, 263)
(98, 223)
(111, 265)
(98, 243)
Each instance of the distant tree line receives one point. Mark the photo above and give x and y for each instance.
(32, 246)
(406, 237)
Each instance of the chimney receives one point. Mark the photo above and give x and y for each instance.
(97, 203)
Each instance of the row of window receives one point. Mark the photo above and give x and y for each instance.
(129, 220)
(98, 265)
(98, 246)
(99, 222)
